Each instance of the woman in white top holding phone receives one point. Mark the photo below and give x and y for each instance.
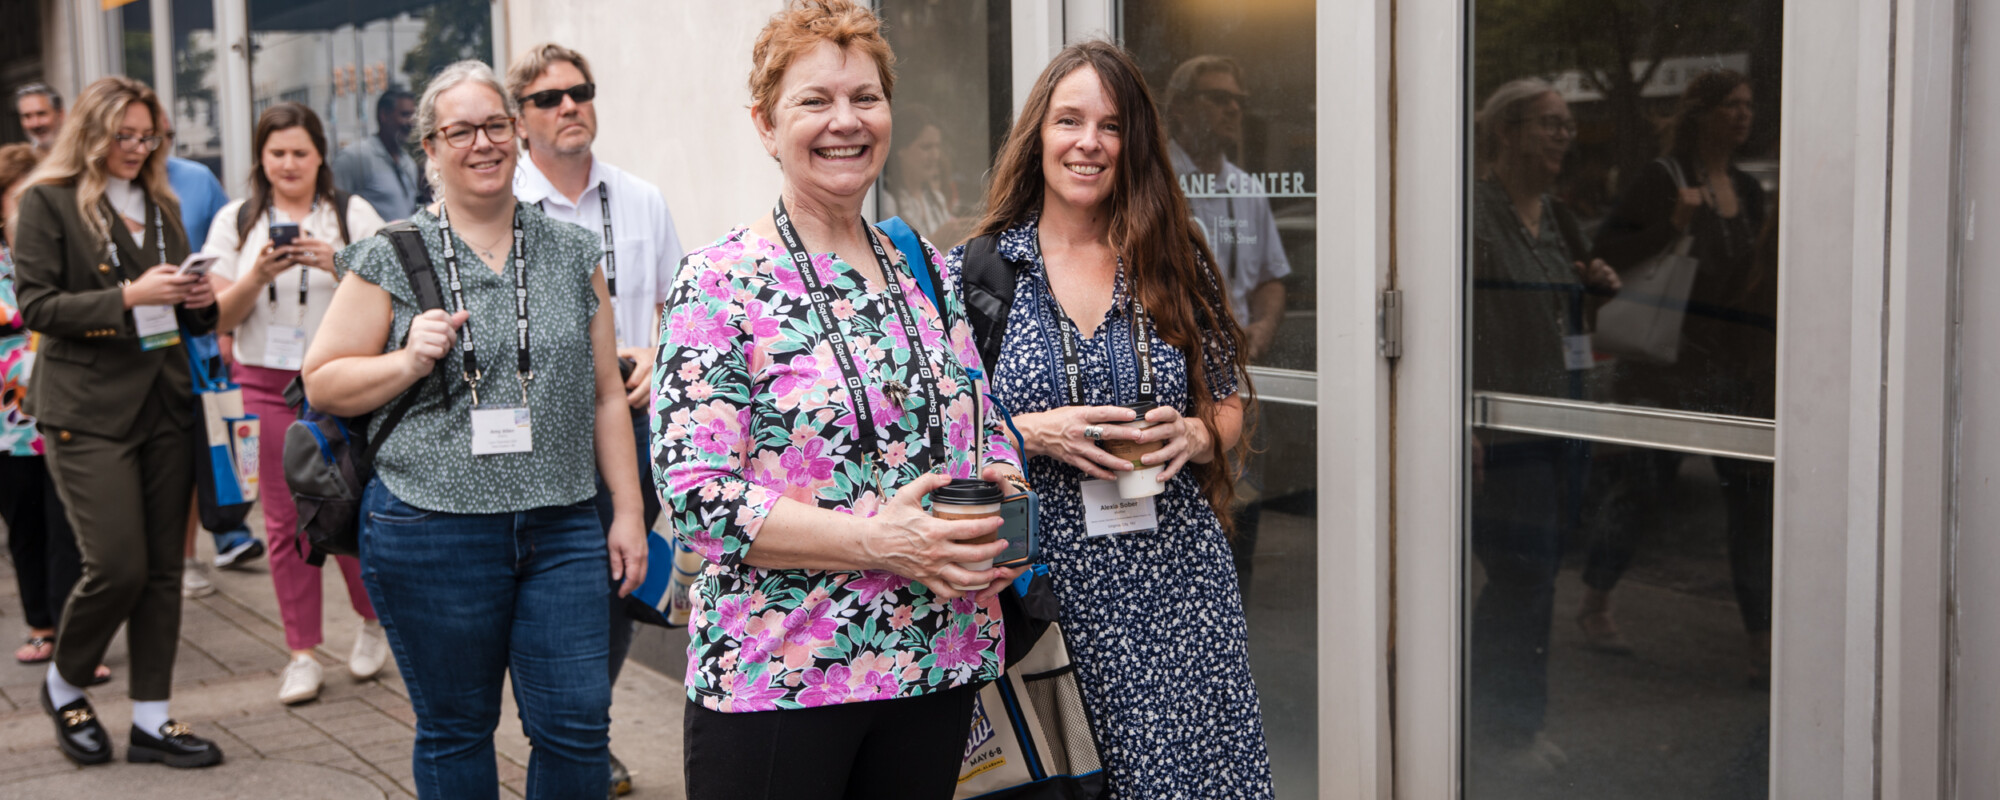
(274, 278)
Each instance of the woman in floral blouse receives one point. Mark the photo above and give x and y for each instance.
(46, 563)
(826, 637)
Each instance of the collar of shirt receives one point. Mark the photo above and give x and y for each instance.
(532, 186)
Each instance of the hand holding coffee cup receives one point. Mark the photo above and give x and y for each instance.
(905, 538)
(1181, 440)
(969, 499)
(1144, 479)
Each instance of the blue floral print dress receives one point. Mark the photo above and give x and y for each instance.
(1154, 620)
(749, 407)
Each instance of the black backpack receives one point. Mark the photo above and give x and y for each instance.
(986, 278)
(329, 459)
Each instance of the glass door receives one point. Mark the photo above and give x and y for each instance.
(1585, 549)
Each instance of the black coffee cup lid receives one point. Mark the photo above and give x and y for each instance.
(1141, 409)
(967, 492)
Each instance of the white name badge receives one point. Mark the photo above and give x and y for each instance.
(1107, 514)
(501, 429)
(157, 326)
(1576, 352)
(284, 347)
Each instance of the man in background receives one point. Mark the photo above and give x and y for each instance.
(41, 113)
(1205, 100)
(379, 169)
(641, 251)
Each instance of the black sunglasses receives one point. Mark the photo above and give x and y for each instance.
(550, 98)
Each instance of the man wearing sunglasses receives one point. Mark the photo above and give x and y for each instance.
(380, 169)
(1205, 105)
(641, 250)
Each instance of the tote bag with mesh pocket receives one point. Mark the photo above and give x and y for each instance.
(1031, 737)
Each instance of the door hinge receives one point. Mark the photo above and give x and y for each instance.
(1389, 324)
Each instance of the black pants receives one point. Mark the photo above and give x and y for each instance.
(1519, 520)
(907, 749)
(1637, 488)
(46, 564)
(127, 499)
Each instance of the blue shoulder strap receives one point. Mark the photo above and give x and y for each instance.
(905, 239)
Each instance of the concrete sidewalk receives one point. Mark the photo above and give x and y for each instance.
(353, 742)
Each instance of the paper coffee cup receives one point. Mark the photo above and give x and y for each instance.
(964, 499)
(1142, 481)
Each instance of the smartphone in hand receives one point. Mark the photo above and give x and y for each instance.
(198, 264)
(1020, 516)
(283, 234)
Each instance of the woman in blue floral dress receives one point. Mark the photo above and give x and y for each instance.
(1113, 284)
(808, 396)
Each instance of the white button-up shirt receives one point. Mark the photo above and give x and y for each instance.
(642, 231)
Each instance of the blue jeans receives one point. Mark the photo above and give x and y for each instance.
(468, 598)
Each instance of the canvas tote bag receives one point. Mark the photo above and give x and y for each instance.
(1643, 322)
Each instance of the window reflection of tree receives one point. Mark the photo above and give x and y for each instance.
(1617, 48)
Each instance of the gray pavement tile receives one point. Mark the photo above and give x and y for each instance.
(323, 753)
(290, 740)
(46, 766)
(329, 709)
(383, 732)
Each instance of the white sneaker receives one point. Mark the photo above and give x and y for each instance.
(301, 681)
(194, 580)
(371, 650)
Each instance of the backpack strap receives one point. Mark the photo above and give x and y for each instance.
(416, 261)
(905, 238)
(987, 280)
(340, 204)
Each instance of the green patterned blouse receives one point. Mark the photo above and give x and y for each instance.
(427, 461)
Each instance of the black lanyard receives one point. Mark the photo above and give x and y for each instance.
(857, 389)
(610, 250)
(1142, 346)
(305, 273)
(158, 231)
(470, 371)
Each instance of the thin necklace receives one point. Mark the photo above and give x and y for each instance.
(486, 252)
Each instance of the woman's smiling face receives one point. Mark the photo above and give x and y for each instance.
(830, 126)
(1081, 138)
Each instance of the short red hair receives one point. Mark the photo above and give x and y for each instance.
(801, 27)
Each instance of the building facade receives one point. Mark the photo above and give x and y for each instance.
(1503, 546)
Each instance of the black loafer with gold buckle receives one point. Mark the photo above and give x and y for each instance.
(78, 732)
(175, 746)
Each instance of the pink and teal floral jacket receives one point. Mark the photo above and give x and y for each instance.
(749, 407)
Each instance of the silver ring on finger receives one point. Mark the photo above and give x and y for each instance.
(1094, 433)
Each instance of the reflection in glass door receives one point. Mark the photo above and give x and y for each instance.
(1620, 278)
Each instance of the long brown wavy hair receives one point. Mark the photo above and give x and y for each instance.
(1168, 264)
(281, 117)
(78, 156)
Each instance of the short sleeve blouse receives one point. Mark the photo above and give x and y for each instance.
(281, 306)
(749, 409)
(427, 461)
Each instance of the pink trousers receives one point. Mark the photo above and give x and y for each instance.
(297, 583)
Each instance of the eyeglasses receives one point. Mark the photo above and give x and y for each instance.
(1553, 123)
(1222, 96)
(499, 130)
(550, 98)
(148, 143)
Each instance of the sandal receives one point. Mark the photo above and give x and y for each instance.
(37, 650)
(100, 677)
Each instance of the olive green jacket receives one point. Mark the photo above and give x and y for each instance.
(90, 374)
